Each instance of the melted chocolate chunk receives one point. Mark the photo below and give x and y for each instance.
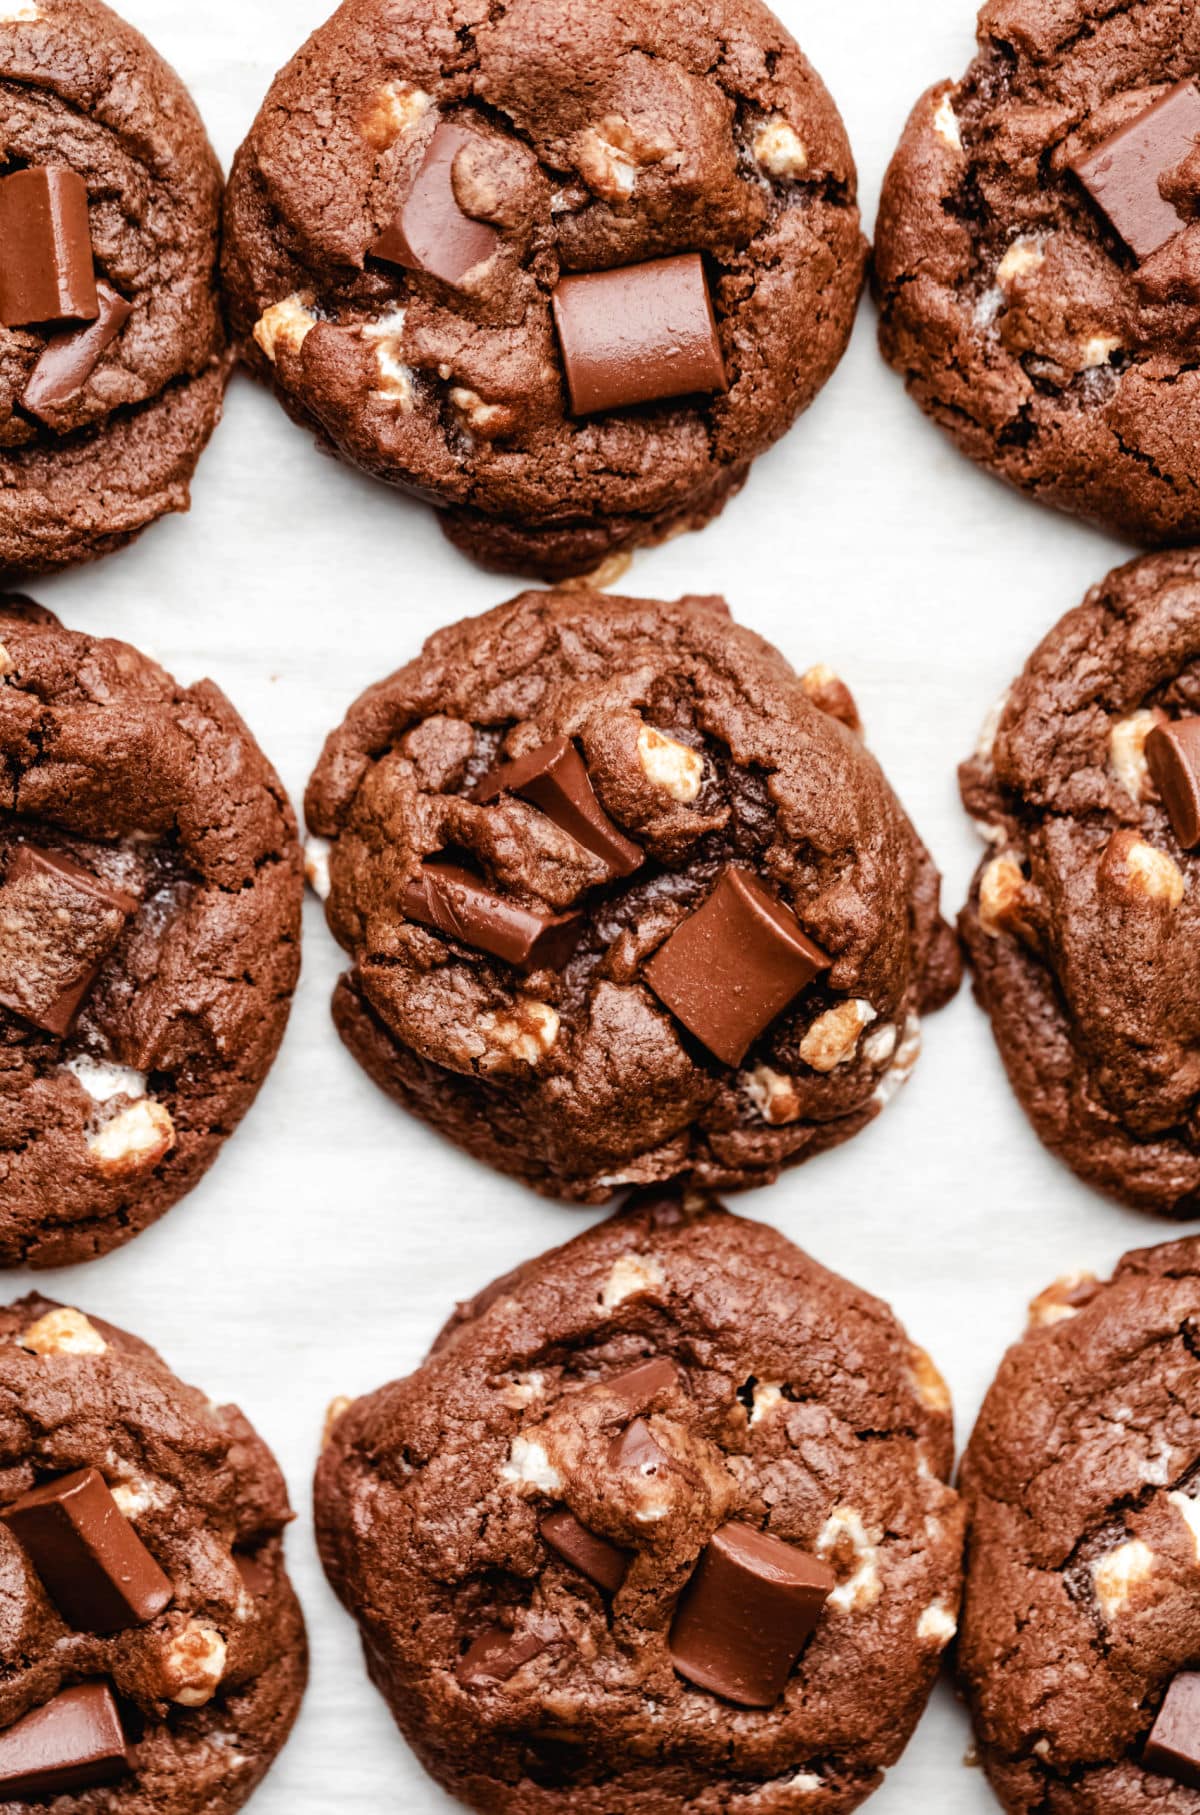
(70, 358)
(46, 266)
(91, 1561)
(430, 232)
(1173, 756)
(449, 898)
(734, 965)
(1124, 176)
(600, 1561)
(638, 334)
(72, 1743)
(1173, 1748)
(554, 778)
(58, 923)
(747, 1613)
(496, 1655)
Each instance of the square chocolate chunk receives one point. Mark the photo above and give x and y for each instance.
(733, 965)
(1123, 175)
(58, 923)
(1173, 1748)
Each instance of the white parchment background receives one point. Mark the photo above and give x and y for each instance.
(323, 1251)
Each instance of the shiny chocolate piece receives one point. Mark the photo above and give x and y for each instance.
(496, 1655)
(1173, 1748)
(90, 1560)
(74, 1742)
(1173, 757)
(554, 779)
(638, 334)
(1123, 175)
(601, 1561)
(634, 1447)
(46, 267)
(733, 965)
(69, 359)
(256, 1577)
(449, 898)
(636, 1388)
(746, 1615)
(430, 232)
(58, 923)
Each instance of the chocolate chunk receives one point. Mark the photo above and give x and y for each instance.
(637, 1387)
(746, 1614)
(256, 1577)
(58, 924)
(635, 1447)
(91, 1561)
(72, 1743)
(638, 333)
(69, 359)
(1124, 175)
(1173, 756)
(1173, 1748)
(498, 1654)
(733, 965)
(595, 1557)
(430, 232)
(46, 266)
(554, 779)
(449, 898)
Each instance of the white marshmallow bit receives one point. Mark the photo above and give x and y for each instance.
(945, 123)
(631, 1276)
(63, 1331)
(529, 1466)
(1119, 1573)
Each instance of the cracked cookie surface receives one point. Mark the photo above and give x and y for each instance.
(600, 137)
(1019, 319)
(1083, 1555)
(709, 755)
(159, 794)
(1083, 918)
(208, 1688)
(82, 89)
(783, 1398)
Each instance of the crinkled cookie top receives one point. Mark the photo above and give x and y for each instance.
(160, 796)
(206, 1689)
(784, 1399)
(1083, 920)
(714, 760)
(595, 137)
(1021, 319)
(1083, 1577)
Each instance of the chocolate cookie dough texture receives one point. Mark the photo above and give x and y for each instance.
(1038, 258)
(563, 271)
(112, 360)
(661, 1525)
(1082, 924)
(152, 1639)
(150, 884)
(1082, 1485)
(626, 899)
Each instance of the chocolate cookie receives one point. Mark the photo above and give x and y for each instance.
(660, 1526)
(563, 270)
(1082, 1485)
(112, 357)
(150, 885)
(1038, 258)
(1083, 918)
(152, 1640)
(627, 900)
